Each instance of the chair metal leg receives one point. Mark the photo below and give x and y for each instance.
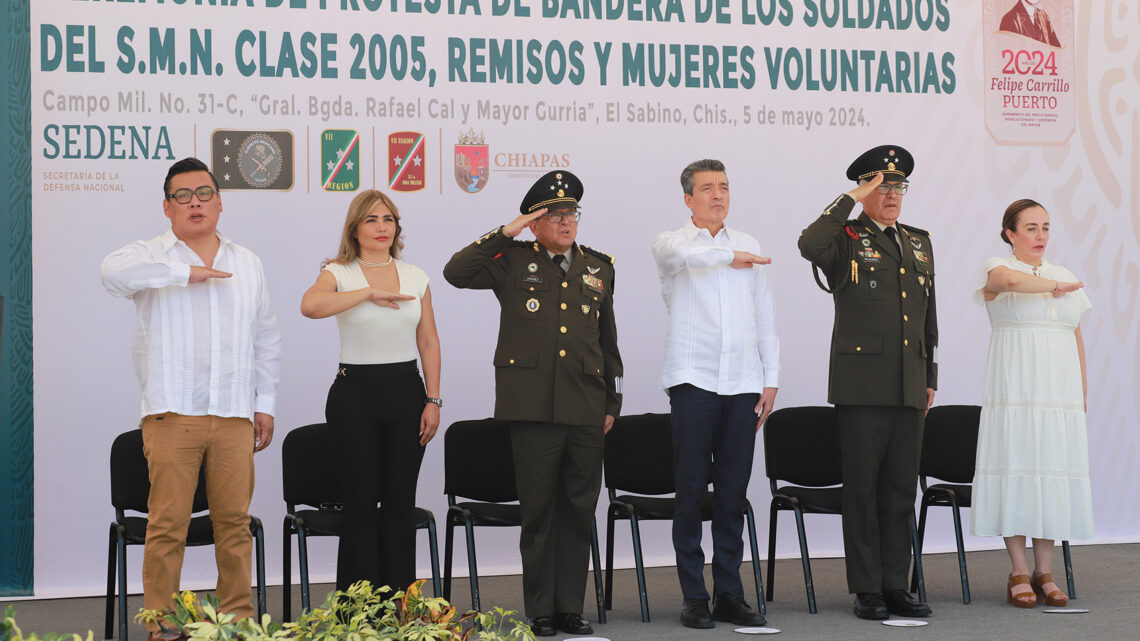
(595, 555)
(287, 571)
(471, 565)
(772, 551)
(921, 539)
(640, 563)
(448, 544)
(259, 548)
(121, 554)
(433, 544)
(808, 584)
(109, 619)
(755, 558)
(303, 566)
(610, 558)
(961, 550)
(917, 558)
(1069, 569)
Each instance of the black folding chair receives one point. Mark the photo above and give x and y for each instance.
(949, 450)
(801, 448)
(479, 465)
(130, 490)
(639, 459)
(309, 478)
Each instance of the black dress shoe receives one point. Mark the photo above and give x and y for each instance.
(900, 602)
(695, 614)
(734, 609)
(870, 605)
(572, 623)
(543, 627)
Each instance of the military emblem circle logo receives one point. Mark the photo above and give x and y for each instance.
(873, 284)
(532, 268)
(532, 305)
(866, 243)
(259, 160)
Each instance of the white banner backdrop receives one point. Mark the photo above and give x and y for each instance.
(625, 94)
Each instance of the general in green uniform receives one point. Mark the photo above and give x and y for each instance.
(557, 379)
(883, 372)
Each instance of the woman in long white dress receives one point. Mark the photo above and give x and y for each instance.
(1032, 475)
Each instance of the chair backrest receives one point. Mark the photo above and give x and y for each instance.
(950, 443)
(478, 463)
(639, 455)
(130, 476)
(801, 446)
(309, 473)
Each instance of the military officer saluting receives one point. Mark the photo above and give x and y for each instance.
(883, 374)
(557, 380)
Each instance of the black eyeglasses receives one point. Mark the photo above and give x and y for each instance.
(182, 196)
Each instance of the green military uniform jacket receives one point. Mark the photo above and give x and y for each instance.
(885, 332)
(557, 357)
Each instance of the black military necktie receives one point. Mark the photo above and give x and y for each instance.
(894, 234)
(558, 260)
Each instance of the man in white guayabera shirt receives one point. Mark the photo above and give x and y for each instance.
(722, 361)
(207, 352)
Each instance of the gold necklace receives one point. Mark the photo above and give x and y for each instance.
(368, 264)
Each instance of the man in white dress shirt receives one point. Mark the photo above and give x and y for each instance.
(722, 362)
(206, 351)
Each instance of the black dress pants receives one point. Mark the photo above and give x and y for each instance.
(717, 433)
(374, 412)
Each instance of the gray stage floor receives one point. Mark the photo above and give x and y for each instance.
(1104, 584)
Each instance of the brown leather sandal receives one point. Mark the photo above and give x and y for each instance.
(1024, 599)
(1056, 598)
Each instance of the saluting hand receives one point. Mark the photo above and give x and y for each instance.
(515, 227)
(865, 189)
(388, 299)
(199, 274)
(745, 260)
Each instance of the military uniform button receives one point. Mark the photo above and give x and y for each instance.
(564, 285)
(872, 269)
(562, 352)
(906, 342)
(532, 289)
(904, 294)
(905, 319)
(598, 371)
(563, 305)
(858, 349)
(902, 270)
(512, 361)
(562, 329)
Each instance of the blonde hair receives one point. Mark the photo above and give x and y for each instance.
(358, 209)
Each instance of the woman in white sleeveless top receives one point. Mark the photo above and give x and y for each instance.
(1032, 475)
(378, 408)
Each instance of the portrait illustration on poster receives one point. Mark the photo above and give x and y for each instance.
(1028, 19)
(1029, 71)
(472, 162)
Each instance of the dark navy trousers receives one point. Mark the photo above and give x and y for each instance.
(714, 438)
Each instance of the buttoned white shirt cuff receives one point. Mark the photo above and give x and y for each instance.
(265, 404)
(180, 273)
(772, 378)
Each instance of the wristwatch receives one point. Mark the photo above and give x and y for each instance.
(437, 401)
